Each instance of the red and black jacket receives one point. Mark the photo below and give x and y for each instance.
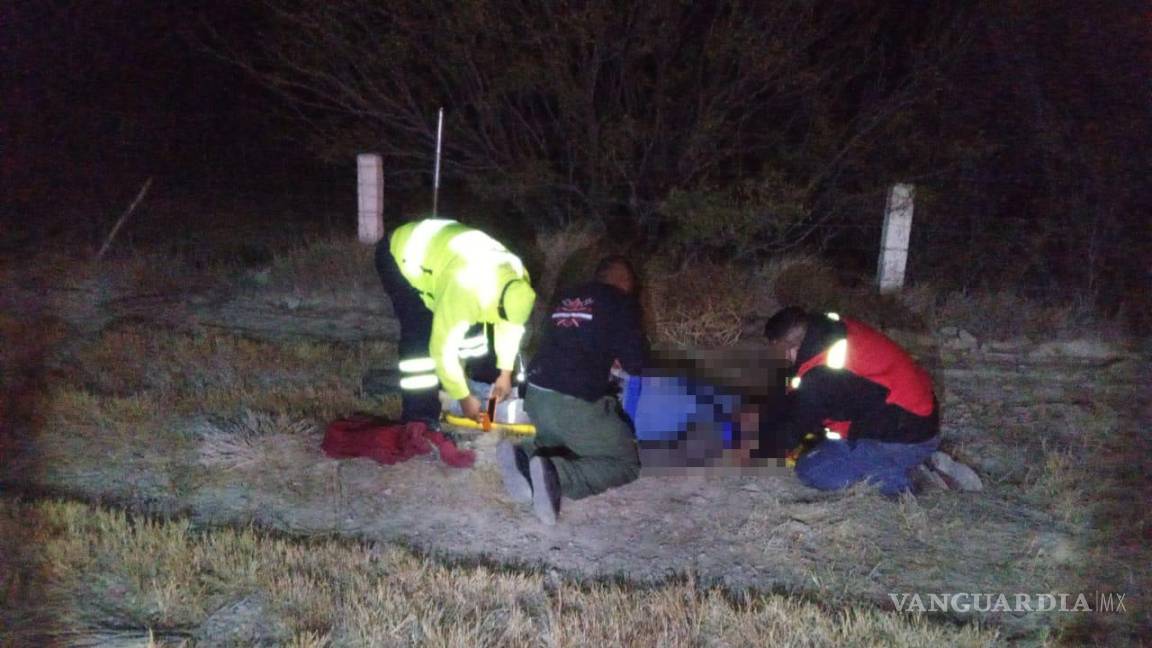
(853, 382)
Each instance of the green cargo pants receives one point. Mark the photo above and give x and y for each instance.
(590, 444)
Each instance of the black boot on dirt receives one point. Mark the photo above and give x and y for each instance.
(545, 489)
(513, 463)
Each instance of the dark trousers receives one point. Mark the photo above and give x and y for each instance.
(894, 424)
(415, 332)
(589, 443)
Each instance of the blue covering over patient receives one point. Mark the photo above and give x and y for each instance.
(666, 408)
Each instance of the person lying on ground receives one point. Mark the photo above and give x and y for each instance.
(583, 443)
(445, 279)
(699, 409)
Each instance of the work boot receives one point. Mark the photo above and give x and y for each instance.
(514, 469)
(924, 479)
(545, 489)
(958, 475)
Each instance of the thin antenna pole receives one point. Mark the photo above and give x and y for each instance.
(436, 173)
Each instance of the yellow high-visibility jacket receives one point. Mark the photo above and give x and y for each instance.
(460, 272)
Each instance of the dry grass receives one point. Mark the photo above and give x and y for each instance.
(714, 305)
(804, 281)
(1004, 314)
(1070, 437)
(218, 372)
(707, 303)
(334, 268)
(710, 304)
(136, 388)
(243, 442)
(75, 407)
(103, 569)
(143, 273)
(129, 382)
(1064, 477)
(702, 306)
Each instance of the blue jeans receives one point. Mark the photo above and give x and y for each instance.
(835, 464)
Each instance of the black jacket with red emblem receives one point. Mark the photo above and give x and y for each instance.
(853, 382)
(591, 326)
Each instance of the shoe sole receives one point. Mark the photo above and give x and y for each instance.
(957, 475)
(515, 484)
(924, 477)
(541, 500)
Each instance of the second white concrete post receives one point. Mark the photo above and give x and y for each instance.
(370, 197)
(894, 239)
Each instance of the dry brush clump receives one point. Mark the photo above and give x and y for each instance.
(96, 569)
(713, 304)
(704, 305)
(806, 281)
(246, 441)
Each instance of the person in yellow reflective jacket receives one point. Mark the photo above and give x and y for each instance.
(444, 278)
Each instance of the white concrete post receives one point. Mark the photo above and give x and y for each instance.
(894, 240)
(370, 192)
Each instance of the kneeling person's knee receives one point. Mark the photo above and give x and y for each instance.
(818, 471)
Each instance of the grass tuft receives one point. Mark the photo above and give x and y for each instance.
(103, 569)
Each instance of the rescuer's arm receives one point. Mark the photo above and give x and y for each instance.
(471, 408)
(444, 347)
(627, 336)
(502, 386)
(806, 408)
(506, 337)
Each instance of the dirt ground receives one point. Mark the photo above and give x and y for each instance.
(1054, 429)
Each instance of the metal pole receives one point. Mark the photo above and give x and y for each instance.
(436, 173)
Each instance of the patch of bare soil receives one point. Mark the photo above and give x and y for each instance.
(1013, 414)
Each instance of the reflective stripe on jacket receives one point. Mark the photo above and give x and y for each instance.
(869, 354)
(459, 272)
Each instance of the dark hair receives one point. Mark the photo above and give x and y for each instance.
(611, 261)
(784, 321)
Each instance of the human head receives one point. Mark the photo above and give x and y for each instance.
(616, 270)
(786, 330)
(516, 301)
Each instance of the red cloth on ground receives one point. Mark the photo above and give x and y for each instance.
(390, 443)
